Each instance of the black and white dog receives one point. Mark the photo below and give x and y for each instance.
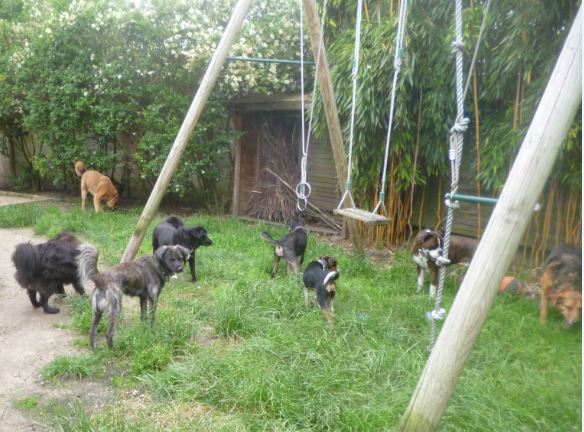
(172, 232)
(291, 247)
(427, 251)
(321, 275)
(46, 267)
(143, 278)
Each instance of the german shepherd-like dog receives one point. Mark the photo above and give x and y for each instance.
(291, 247)
(144, 278)
(172, 232)
(428, 247)
(44, 269)
(98, 185)
(321, 275)
(561, 284)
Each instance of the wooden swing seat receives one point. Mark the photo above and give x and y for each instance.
(368, 218)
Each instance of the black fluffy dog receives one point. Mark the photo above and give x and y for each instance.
(291, 247)
(143, 278)
(172, 232)
(321, 275)
(46, 267)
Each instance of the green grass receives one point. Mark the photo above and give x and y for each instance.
(238, 351)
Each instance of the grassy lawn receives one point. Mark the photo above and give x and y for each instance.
(238, 351)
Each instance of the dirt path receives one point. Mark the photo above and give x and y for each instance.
(29, 339)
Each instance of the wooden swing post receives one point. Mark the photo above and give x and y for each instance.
(186, 129)
(330, 108)
(525, 183)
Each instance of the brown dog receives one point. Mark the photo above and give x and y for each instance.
(561, 284)
(98, 185)
(428, 247)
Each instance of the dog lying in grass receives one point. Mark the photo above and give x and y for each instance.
(98, 185)
(143, 278)
(321, 275)
(561, 284)
(43, 269)
(291, 247)
(172, 232)
(427, 248)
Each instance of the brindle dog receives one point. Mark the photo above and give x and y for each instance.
(143, 278)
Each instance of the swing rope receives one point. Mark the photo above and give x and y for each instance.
(397, 61)
(456, 141)
(399, 39)
(303, 188)
(355, 70)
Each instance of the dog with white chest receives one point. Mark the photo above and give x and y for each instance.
(428, 249)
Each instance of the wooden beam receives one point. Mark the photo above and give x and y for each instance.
(237, 122)
(186, 129)
(330, 108)
(510, 218)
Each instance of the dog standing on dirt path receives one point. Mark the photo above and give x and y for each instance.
(46, 267)
(143, 278)
(172, 231)
(291, 247)
(321, 275)
(98, 185)
(561, 284)
(428, 247)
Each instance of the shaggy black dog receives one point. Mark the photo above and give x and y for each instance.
(46, 267)
(172, 232)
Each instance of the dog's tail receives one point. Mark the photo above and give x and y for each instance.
(267, 238)
(80, 168)
(332, 275)
(25, 260)
(87, 263)
(174, 221)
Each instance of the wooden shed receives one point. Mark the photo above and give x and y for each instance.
(268, 152)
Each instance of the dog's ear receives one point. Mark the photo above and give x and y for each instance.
(184, 252)
(160, 252)
(198, 232)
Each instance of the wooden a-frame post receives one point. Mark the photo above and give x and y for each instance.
(528, 176)
(330, 108)
(198, 104)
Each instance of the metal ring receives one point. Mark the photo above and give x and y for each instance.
(303, 190)
(302, 207)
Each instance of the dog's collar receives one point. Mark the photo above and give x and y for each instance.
(322, 263)
(297, 228)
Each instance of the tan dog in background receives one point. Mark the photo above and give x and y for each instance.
(561, 284)
(98, 185)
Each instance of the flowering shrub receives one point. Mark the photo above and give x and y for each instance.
(109, 82)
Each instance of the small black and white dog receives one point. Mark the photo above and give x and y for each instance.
(143, 278)
(172, 232)
(291, 247)
(322, 275)
(46, 267)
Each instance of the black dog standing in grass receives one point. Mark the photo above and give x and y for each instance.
(322, 275)
(291, 247)
(172, 231)
(46, 267)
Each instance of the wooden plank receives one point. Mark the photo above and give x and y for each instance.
(184, 134)
(509, 221)
(362, 215)
(237, 121)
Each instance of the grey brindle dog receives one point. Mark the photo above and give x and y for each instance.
(143, 278)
